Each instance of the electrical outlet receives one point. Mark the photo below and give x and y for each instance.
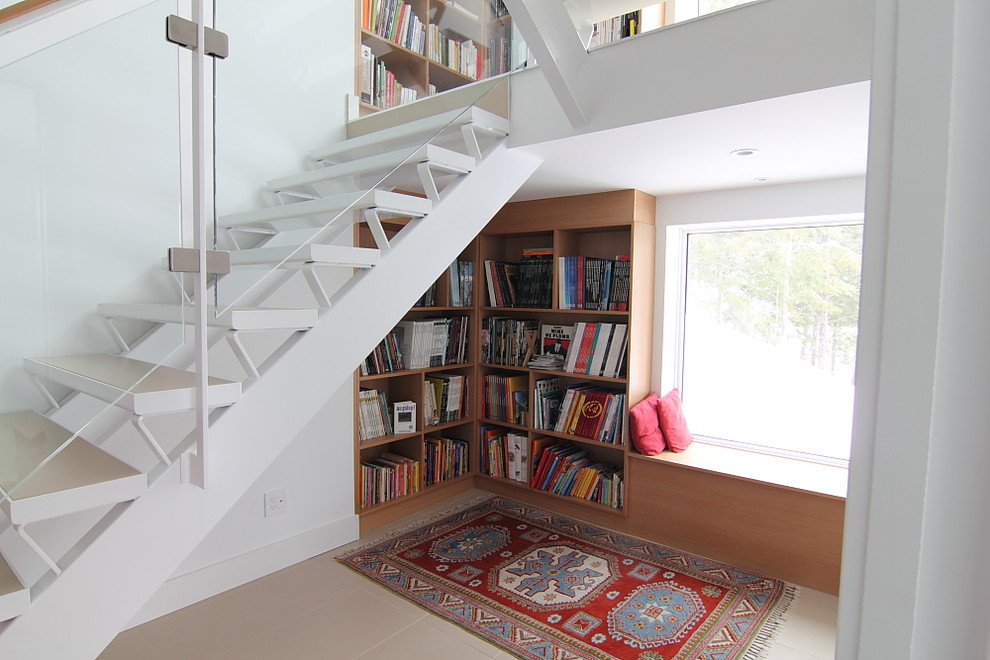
(275, 502)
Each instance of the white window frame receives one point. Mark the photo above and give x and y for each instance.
(674, 288)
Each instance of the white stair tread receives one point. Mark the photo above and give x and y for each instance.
(293, 257)
(424, 129)
(437, 156)
(296, 216)
(81, 476)
(14, 598)
(234, 318)
(141, 387)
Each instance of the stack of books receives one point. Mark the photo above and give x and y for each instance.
(375, 417)
(461, 276)
(528, 283)
(506, 397)
(597, 349)
(565, 469)
(593, 283)
(444, 458)
(445, 398)
(394, 20)
(433, 342)
(546, 403)
(386, 357)
(454, 51)
(507, 341)
(387, 477)
(504, 453)
(592, 412)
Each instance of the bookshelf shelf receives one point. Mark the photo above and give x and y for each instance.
(448, 425)
(543, 311)
(411, 372)
(579, 439)
(449, 482)
(386, 440)
(552, 496)
(604, 225)
(499, 422)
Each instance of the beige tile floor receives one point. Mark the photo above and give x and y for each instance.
(321, 610)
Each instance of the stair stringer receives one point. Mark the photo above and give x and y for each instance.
(94, 598)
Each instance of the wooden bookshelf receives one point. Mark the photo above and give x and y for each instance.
(408, 385)
(713, 509)
(624, 227)
(604, 225)
(485, 48)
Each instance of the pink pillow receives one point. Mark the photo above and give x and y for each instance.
(672, 422)
(645, 426)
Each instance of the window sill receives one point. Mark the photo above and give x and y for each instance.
(790, 473)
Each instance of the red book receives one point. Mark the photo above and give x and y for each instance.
(592, 413)
(584, 351)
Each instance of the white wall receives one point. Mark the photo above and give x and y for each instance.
(914, 574)
(795, 200)
(280, 94)
(760, 51)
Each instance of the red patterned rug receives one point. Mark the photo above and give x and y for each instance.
(540, 585)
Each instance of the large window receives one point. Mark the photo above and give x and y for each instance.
(767, 335)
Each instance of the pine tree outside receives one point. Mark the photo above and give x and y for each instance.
(769, 337)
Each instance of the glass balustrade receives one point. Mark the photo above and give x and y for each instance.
(90, 189)
(283, 182)
(602, 22)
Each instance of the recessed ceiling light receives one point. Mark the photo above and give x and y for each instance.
(743, 153)
(762, 178)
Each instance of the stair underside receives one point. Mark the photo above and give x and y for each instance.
(404, 159)
(80, 477)
(313, 213)
(14, 598)
(414, 132)
(234, 318)
(140, 387)
(311, 253)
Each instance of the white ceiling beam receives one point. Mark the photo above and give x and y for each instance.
(553, 39)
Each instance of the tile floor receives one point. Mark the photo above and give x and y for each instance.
(321, 610)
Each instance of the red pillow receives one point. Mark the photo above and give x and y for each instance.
(672, 422)
(645, 426)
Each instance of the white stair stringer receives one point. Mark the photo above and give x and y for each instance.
(100, 591)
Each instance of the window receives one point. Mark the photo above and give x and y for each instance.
(766, 336)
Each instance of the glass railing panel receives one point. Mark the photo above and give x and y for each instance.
(90, 191)
(278, 119)
(601, 22)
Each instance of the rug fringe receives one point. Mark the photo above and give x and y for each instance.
(763, 642)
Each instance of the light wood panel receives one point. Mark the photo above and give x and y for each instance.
(22, 8)
(616, 208)
(785, 533)
(386, 513)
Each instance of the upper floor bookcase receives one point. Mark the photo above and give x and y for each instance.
(410, 49)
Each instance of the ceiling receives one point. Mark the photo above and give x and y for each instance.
(820, 134)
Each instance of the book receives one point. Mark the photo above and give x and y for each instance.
(546, 402)
(367, 73)
(555, 339)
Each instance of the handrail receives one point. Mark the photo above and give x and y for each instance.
(22, 8)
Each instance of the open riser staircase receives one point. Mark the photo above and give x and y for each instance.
(449, 174)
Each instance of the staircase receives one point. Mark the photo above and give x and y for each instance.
(448, 173)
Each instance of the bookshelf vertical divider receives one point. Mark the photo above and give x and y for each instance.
(605, 225)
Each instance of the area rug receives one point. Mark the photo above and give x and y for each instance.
(540, 585)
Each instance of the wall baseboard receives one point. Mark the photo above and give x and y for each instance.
(190, 588)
